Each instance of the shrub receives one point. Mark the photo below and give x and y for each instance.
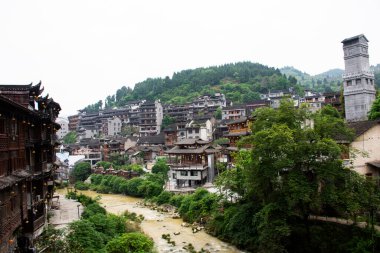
(93, 209)
(81, 186)
(176, 200)
(164, 197)
(81, 171)
(131, 242)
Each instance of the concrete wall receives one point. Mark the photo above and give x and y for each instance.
(114, 126)
(64, 123)
(369, 142)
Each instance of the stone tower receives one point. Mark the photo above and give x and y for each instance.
(358, 80)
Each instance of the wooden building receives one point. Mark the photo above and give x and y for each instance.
(192, 163)
(27, 156)
(237, 129)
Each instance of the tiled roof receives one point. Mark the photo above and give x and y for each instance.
(178, 150)
(239, 120)
(150, 140)
(8, 181)
(361, 127)
(375, 164)
(191, 142)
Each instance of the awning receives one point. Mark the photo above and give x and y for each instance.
(374, 164)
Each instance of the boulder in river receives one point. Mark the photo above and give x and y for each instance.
(185, 224)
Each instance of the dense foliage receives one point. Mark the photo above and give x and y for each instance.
(160, 167)
(119, 162)
(376, 70)
(94, 107)
(70, 138)
(81, 171)
(294, 171)
(374, 113)
(240, 82)
(131, 242)
(328, 81)
(148, 186)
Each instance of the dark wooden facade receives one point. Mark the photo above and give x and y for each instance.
(238, 129)
(27, 155)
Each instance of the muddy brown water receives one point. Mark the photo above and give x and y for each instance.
(155, 224)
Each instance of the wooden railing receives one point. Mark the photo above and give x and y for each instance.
(188, 166)
(3, 141)
(39, 222)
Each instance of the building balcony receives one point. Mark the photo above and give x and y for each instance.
(39, 222)
(189, 177)
(188, 166)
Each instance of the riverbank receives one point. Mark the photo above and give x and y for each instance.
(64, 211)
(155, 224)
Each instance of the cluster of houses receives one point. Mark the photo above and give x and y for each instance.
(189, 140)
(100, 134)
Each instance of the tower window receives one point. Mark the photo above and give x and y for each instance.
(349, 83)
(358, 81)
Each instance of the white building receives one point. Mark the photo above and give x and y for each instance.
(199, 129)
(64, 123)
(113, 126)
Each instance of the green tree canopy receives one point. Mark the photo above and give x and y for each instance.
(374, 113)
(218, 113)
(70, 138)
(131, 242)
(161, 167)
(81, 171)
(83, 237)
(294, 170)
(166, 121)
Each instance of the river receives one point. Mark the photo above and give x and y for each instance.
(155, 224)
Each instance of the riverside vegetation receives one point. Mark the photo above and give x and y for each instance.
(97, 231)
(264, 204)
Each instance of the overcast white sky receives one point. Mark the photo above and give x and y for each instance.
(85, 50)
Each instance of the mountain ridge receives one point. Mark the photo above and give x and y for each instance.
(240, 82)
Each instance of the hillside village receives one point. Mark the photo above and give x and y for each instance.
(197, 139)
(150, 129)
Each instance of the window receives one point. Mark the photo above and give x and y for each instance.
(358, 81)
(197, 131)
(349, 83)
(14, 127)
(183, 173)
(193, 173)
(2, 126)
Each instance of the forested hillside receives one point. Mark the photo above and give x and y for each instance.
(330, 80)
(240, 82)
